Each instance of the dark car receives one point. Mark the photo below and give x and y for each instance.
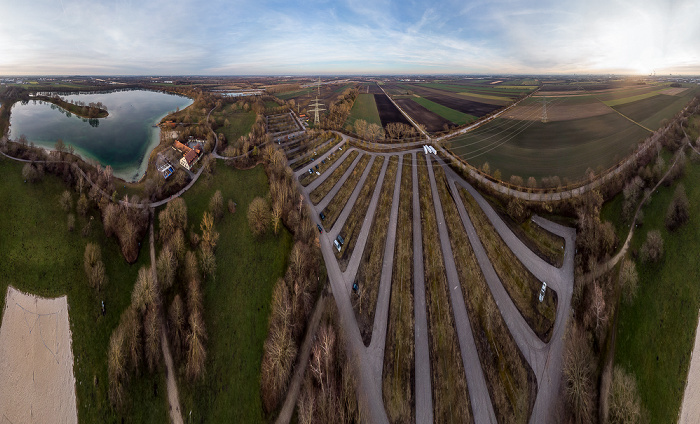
(341, 240)
(322, 216)
(320, 230)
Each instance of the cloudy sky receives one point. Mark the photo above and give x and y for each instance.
(236, 37)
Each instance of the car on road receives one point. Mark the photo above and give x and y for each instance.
(320, 229)
(542, 291)
(322, 216)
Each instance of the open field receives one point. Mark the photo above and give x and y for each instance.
(433, 121)
(511, 381)
(655, 332)
(562, 148)
(399, 372)
(518, 281)
(338, 202)
(327, 185)
(364, 108)
(452, 115)
(451, 401)
(240, 122)
(236, 302)
(310, 156)
(41, 257)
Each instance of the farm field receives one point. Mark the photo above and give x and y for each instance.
(433, 121)
(651, 111)
(364, 108)
(452, 115)
(388, 113)
(563, 148)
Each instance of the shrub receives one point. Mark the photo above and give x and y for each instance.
(678, 210)
(32, 173)
(71, 222)
(66, 201)
(216, 205)
(625, 406)
(82, 205)
(629, 280)
(653, 248)
(231, 206)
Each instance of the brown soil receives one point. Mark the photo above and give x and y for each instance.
(36, 361)
(674, 91)
(432, 121)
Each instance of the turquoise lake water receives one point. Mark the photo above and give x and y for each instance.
(124, 140)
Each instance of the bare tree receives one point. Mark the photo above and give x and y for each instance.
(258, 216)
(176, 314)
(166, 267)
(598, 306)
(209, 236)
(629, 280)
(216, 205)
(196, 353)
(116, 365)
(66, 201)
(152, 337)
(578, 374)
(653, 248)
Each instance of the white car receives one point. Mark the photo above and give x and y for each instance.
(542, 291)
(337, 245)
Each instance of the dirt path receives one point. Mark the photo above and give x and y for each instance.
(173, 397)
(302, 361)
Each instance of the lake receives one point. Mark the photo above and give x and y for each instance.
(124, 140)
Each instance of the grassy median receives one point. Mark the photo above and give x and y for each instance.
(399, 373)
(518, 281)
(337, 204)
(511, 382)
(327, 185)
(449, 383)
(353, 225)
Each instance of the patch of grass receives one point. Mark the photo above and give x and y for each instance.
(292, 94)
(450, 114)
(631, 99)
(518, 281)
(240, 123)
(41, 257)
(327, 185)
(236, 302)
(364, 108)
(311, 146)
(655, 333)
(399, 372)
(546, 245)
(353, 225)
(482, 96)
(511, 381)
(337, 204)
(448, 381)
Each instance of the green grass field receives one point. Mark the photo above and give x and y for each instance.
(453, 115)
(292, 94)
(655, 332)
(562, 148)
(41, 257)
(240, 123)
(364, 108)
(236, 302)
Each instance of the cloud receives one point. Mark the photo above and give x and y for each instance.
(351, 36)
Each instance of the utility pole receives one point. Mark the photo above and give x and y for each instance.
(317, 105)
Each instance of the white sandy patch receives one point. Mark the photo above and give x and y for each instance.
(37, 384)
(674, 91)
(690, 409)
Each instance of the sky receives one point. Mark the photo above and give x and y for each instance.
(251, 37)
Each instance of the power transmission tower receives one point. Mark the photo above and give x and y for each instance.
(544, 109)
(316, 107)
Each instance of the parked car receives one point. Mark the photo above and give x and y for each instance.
(542, 291)
(337, 245)
(311, 171)
(320, 229)
(341, 240)
(322, 216)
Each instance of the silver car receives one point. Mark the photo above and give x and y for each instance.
(542, 291)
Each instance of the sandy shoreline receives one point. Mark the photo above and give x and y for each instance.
(690, 409)
(37, 384)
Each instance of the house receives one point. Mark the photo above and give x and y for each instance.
(181, 147)
(189, 159)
